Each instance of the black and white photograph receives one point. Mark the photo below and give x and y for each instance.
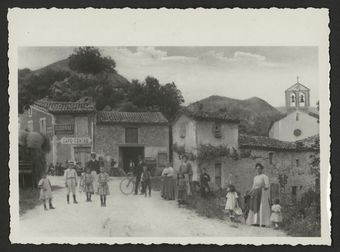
(173, 141)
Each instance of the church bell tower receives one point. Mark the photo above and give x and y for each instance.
(297, 97)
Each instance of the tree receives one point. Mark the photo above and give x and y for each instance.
(36, 86)
(88, 60)
(151, 95)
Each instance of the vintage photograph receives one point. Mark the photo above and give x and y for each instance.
(144, 133)
(169, 141)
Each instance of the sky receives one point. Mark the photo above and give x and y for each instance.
(199, 72)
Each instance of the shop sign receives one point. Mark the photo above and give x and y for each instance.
(75, 140)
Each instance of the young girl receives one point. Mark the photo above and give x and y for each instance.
(103, 187)
(146, 180)
(276, 216)
(87, 184)
(231, 203)
(45, 191)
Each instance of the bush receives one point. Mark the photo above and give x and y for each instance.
(303, 219)
(211, 207)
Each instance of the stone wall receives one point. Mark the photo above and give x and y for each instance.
(241, 172)
(154, 139)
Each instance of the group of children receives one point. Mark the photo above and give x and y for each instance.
(234, 210)
(88, 184)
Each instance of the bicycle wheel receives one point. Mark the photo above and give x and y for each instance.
(126, 186)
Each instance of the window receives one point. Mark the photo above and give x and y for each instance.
(81, 126)
(182, 130)
(297, 116)
(271, 154)
(297, 162)
(302, 98)
(293, 98)
(294, 194)
(218, 174)
(42, 125)
(30, 125)
(29, 112)
(131, 135)
(217, 130)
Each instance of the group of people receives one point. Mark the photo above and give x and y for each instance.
(257, 209)
(94, 179)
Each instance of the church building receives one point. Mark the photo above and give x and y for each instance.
(299, 121)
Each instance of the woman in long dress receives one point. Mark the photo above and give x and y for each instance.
(259, 212)
(168, 188)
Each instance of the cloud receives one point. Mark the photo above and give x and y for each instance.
(239, 59)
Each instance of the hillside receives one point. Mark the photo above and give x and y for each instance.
(255, 114)
(115, 79)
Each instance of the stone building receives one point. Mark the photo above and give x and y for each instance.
(70, 127)
(123, 136)
(279, 158)
(193, 129)
(299, 121)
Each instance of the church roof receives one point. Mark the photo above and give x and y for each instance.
(298, 86)
(310, 113)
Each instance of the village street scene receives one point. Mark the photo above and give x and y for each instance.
(168, 141)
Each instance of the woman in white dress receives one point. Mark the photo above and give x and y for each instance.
(259, 213)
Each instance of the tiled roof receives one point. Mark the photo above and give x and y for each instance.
(65, 107)
(204, 115)
(262, 142)
(131, 117)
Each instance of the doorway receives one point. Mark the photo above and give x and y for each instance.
(127, 154)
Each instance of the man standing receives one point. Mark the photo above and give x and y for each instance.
(186, 170)
(138, 169)
(93, 165)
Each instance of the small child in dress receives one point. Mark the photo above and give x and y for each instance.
(146, 180)
(231, 203)
(45, 191)
(181, 188)
(87, 184)
(103, 187)
(276, 216)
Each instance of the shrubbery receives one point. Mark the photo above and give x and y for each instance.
(303, 219)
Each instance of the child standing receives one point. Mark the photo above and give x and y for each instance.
(182, 189)
(45, 191)
(103, 187)
(231, 203)
(276, 216)
(146, 180)
(71, 181)
(88, 184)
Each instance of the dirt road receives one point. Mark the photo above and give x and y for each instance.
(125, 216)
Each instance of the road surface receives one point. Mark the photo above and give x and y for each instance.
(125, 216)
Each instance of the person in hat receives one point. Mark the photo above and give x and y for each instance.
(45, 191)
(93, 165)
(70, 176)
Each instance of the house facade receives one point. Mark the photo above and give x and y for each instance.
(70, 127)
(123, 136)
(192, 130)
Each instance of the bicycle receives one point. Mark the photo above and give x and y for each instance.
(127, 184)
